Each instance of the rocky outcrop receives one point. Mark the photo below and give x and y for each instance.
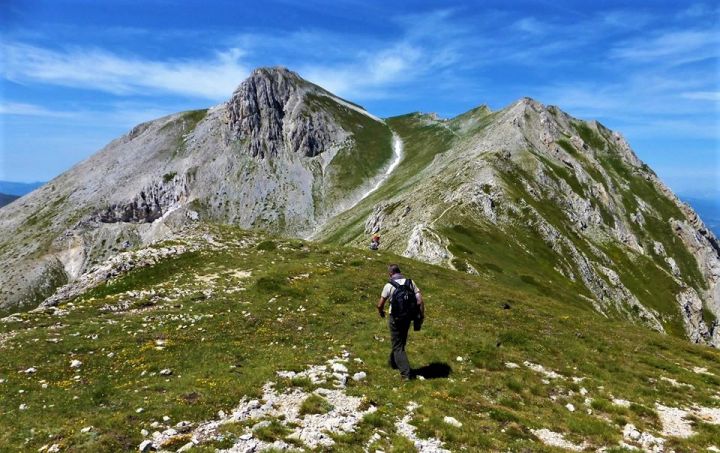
(692, 306)
(701, 242)
(125, 262)
(426, 245)
(267, 113)
(150, 204)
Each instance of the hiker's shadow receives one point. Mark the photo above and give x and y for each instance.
(435, 370)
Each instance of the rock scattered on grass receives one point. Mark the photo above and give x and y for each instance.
(675, 383)
(359, 376)
(452, 421)
(407, 430)
(621, 402)
(701, 370)
(312, 430)
(673, 421)
(554, 439)
(550, 374)
(644, 440)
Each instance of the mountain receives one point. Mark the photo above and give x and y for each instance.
(226, 339)
(526, 197)
(18, 188)
(531, 197)
(7, 199)
(281, 155)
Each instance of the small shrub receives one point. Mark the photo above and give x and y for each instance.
(267, 246)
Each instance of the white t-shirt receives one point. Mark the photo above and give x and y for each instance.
(389, 289)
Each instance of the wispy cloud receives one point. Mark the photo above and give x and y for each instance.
(702, 95)
(101, 70)
(670, 48)
(24, 109)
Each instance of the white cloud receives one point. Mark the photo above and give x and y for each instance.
(370, 72)
(101, 70)
(669, 48)
(23, 109)
(702, 95)
(530, 25)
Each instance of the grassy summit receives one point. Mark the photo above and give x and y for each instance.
(195, 334)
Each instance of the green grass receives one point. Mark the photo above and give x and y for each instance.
(315, 404)
(422, 141)
(370, 151)
(589, 136)
(225, 346)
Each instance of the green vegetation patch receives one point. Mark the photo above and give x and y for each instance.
(315, 404)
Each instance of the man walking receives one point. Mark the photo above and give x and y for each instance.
(406, 306)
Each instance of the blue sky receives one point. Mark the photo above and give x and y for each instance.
(76, 74)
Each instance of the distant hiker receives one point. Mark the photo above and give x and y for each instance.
(406, 307)
(375, 242)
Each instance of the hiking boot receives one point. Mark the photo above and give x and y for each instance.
(407, 378)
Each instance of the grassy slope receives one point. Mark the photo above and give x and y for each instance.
(422, 142)
(225, 346)
(513, 254)
(370, 151)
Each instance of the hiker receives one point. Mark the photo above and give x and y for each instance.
(406, 307)
(375, 242)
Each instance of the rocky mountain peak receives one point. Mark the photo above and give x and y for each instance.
(268, 112)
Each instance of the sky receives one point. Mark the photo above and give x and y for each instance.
(77, 74)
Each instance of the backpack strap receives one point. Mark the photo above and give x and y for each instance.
(409, 284)
(395, 284)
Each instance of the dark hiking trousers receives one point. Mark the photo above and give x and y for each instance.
(398, 337)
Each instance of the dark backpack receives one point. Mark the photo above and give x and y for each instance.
(403, 303)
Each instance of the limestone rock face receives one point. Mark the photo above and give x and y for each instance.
(150, 204)
(267, 112)
(426, 245)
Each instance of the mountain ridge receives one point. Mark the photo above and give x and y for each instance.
(286, 155)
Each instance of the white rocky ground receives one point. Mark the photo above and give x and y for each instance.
(311, 430)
